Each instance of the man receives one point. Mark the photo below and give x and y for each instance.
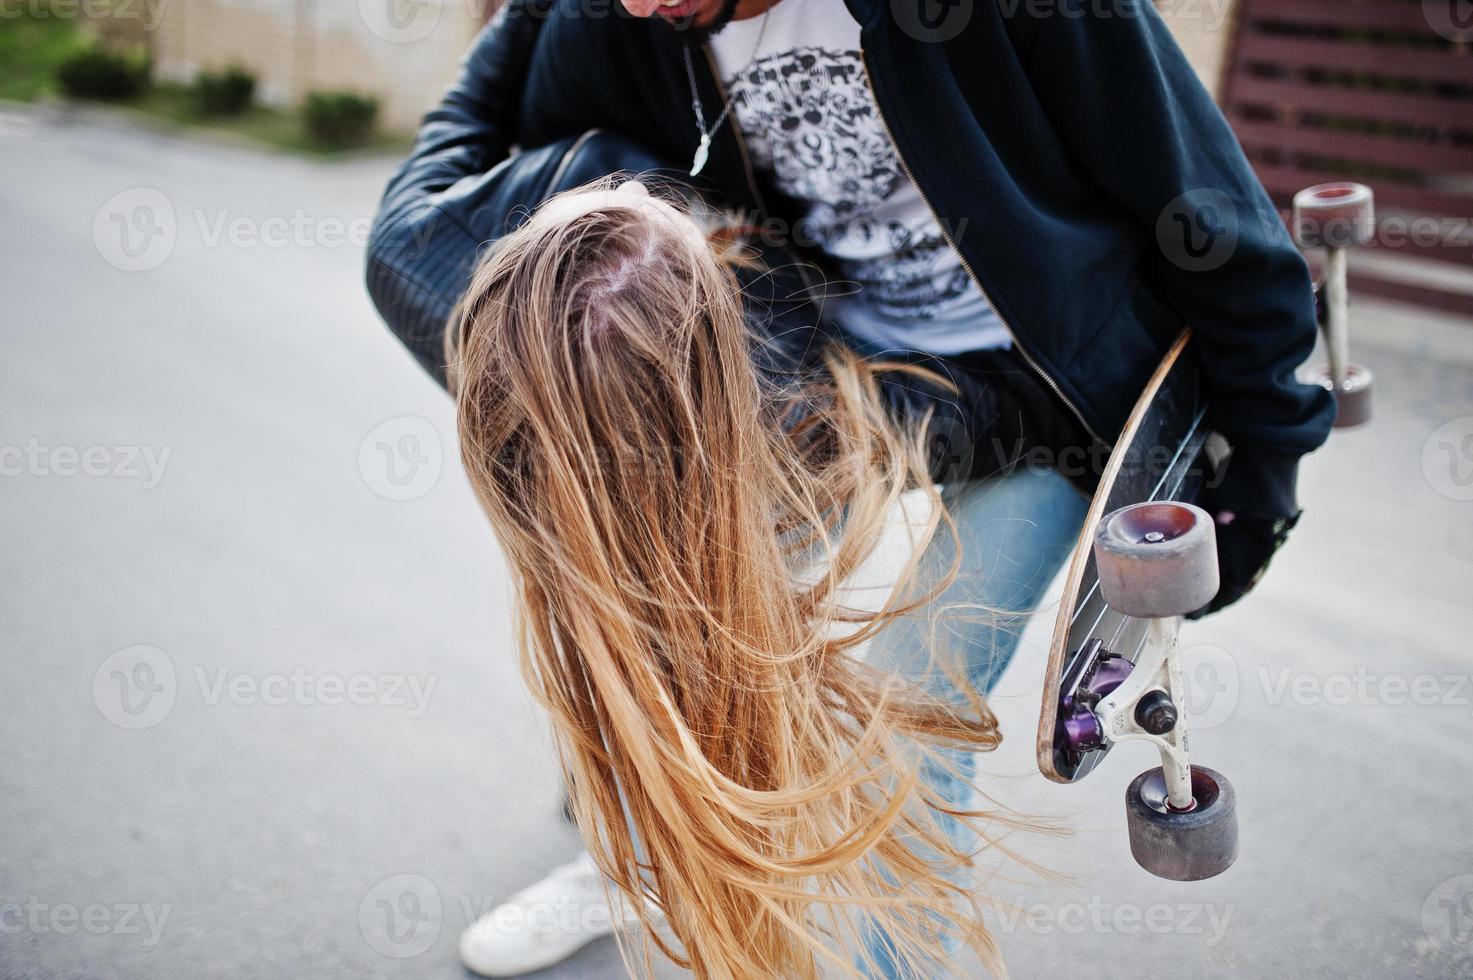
(1043, 176)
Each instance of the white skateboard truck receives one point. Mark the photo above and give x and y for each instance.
(1338, 217)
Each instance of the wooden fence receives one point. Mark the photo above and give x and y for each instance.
(1379, 91)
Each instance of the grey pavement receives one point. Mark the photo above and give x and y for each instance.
(260, 706)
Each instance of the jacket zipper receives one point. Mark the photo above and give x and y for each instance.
(567, 160)
(899, 155)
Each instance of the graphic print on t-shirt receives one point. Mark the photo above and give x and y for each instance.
(811, 123)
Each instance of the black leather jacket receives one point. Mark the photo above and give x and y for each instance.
(1063, 144)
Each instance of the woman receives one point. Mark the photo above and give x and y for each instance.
(685, 462)
(657, 513)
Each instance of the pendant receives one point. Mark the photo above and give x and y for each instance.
(698, 163)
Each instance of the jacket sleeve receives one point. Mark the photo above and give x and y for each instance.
(1133, 113)
(435, 213)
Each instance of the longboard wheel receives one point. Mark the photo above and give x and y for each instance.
(1183, 845)
(1352, 396)
(1157, 559)
(1334, 215)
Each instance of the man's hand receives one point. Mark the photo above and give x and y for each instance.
(1254, 505)
(1245, 546)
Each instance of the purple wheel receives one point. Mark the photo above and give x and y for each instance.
(1157, 559)
(1186, 845)
(1334, 215)
(1353, 397)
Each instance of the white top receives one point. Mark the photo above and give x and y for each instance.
(811, 125)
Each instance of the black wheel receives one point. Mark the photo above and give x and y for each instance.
(1334, 215)
(1188, 845)
(1353, 398)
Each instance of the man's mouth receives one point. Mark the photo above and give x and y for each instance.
(678, 9)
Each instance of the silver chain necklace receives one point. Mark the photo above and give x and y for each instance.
(703, 149)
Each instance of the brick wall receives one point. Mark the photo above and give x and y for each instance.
(403, 51)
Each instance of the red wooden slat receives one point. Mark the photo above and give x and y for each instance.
(1405, 18)
(1294, 99)
(1403, 246)
(1437, 299)
(1284, 182)
(1373, 59)
(1352, 103)
(1334, 144)
(1420, 254)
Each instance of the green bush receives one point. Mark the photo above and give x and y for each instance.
(32, 49)
(339, 119)
(224, 93)
(98, 72)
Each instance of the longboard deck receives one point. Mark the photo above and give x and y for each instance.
(1159, 456)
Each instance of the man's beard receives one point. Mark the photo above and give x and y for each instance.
(697, 37)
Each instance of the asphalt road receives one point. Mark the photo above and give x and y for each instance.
(260, 709)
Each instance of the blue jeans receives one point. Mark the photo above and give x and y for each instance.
(1015, 532)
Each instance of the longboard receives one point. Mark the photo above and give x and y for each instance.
(1159, 456)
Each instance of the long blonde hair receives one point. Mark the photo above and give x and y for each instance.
(734, 764)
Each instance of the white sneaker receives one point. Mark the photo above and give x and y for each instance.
(546, 922)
